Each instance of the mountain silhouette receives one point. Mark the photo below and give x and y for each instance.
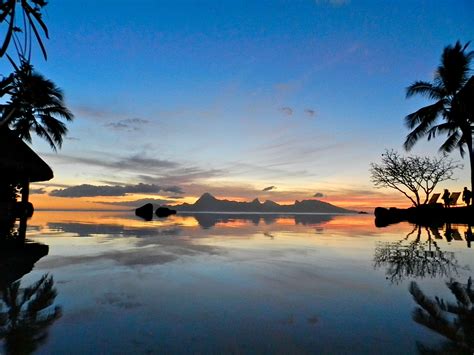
(208, 203)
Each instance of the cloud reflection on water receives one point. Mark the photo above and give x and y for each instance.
(285, 278)
(162, 240)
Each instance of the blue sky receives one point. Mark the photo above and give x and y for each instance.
(233, 96)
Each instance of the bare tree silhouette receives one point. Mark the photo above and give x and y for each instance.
(416, 258)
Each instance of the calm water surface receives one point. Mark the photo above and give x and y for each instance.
(211, 283)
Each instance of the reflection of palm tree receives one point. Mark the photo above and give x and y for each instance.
(454, 321)
(416, 258)
(452, 90)
(35, 105)
(25, 323)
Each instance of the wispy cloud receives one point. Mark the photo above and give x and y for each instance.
(93, 112)
(335, 3)
(269, 188)
(129, 124)
(182, 176)
(286, 110)
(86, 190)
(137, 169)
(310, 112)
(39, 191)
(138, 203)
(128, 163)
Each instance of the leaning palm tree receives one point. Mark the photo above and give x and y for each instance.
(453, 91)
(36, 104)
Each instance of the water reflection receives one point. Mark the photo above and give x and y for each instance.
(416, 256)
(25, 313)
(122, 223)
(28, 315)
(452, 320)
(210, 220)
(165, 285)
(17, 255)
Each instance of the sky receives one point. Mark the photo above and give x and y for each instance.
(278, 100)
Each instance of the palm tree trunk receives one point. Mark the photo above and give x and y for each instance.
(471, 158)
(471, 161)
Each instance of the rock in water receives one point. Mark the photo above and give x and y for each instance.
(164, 212)
(145, 212)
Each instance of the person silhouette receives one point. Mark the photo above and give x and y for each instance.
(468, 236)
(446, 198)
(448, 232)
(466, 196)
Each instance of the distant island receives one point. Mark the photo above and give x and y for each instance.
(208, 203)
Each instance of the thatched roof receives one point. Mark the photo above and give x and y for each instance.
(18, 161)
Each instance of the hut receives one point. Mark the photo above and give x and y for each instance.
(19, 164)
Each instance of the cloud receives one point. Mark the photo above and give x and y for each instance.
(72, 138)
(86, 190)
(318, 195)
(286, 110)
(134, 258)
(93, 112)
(269, 188)
(132, 163)
(39, 191)
(120, 300)
(50, 184)
(138, 203)
(310, 112)
(129, 124)
(182, 176)
(142, 169)
(335, 3)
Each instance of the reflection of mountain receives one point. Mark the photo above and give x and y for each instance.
(209, 220)
(205, 221)
(453, 321)
(208, 203)
(415, 258)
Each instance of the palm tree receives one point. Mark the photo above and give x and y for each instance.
(453, 91)
(453, 321)
(24, 20)
(35, 104)
(26, 314)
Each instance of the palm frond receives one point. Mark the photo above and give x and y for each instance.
(425, 115)
(442, 128)
(425, 89)
(43, 133)
(454, 68)
(451, 142)
(421, 122)
(38, 106)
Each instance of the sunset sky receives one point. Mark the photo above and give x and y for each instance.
(176, 98)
